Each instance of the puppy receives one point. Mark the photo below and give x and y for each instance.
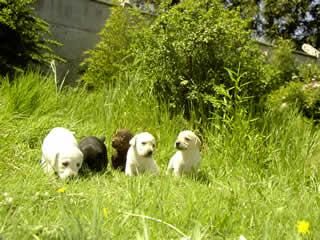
(187, 158)
(61, 153)
(120, 142)
(139, 156)
(95, 156)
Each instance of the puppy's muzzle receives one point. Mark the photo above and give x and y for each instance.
(179, 145)
(114, 142)
(69, 176)
(149, 153)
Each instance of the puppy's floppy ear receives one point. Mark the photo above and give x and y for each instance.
(198, 142)
(56, 157)
(132, 141)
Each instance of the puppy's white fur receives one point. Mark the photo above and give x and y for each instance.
(139, 156)
(187, 157)
(61, 154)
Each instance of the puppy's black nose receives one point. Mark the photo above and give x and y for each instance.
(149, 153)
(178, 144)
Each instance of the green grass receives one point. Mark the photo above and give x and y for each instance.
(257, 179)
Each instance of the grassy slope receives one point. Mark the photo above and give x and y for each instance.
(257, 183)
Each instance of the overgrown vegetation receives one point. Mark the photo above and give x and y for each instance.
(258, 178)
(23, 37)
(303, 92)
(197, 57)
(188, 52)
(282, 65)
(186, 57)
(121, 32)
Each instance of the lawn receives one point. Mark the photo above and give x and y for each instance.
(258, 178)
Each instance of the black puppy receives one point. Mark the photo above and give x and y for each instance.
(94, 151)
(120, 142)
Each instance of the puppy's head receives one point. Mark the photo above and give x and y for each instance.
(120, 140)
(187, 140)
(144, 144)
(68, 162)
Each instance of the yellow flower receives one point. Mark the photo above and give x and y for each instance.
(303, 227)
(61, 190)
(105, 212)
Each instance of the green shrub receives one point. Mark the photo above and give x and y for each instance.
(288, 95)
(23, 37)
(282, 65)
(303, 93)
(112, 53)
(308, 72)
(186, 52)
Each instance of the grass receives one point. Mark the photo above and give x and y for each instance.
(257, 179)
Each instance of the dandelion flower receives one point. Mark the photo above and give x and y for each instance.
(105, 212)
(303, 227)
(61, 190)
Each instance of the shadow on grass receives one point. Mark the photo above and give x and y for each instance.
(201, 176)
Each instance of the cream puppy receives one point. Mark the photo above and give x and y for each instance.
(61, 153)
(187, 158)
(139, 156)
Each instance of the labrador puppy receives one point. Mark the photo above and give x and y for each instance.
(140, 155)
(120, 142)
(95, 156)
(187, 157)
(61, 153)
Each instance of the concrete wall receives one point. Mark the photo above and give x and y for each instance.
(74, 23)
(300, 56)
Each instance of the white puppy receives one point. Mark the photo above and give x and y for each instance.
(187, 158)
(61, 154)
(139, 156)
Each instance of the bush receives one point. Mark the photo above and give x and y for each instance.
(187, 51)
(303, 93)
(308, 72)
(22, 37)
(112, 53)
(282, 66)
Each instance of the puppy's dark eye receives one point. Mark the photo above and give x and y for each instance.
(143, 143)
(78, 165)
(187, 139)
(66, 164)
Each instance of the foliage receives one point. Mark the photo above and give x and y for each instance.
(282, 65)
(308, 72)
(248, 9)
(187, 50)
(303, 93)
(23, 37)
(112, 53)
(295, 20)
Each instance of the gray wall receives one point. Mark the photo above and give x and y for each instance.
(300, 56)
(74, 23)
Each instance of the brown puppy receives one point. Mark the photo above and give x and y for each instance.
(120, 142)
